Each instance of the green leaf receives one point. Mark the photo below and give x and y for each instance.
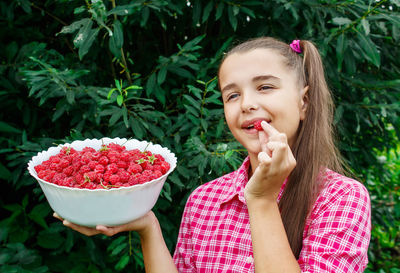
(232, 18)
(207, 10)
(341, 21)
(160, 94)
(122, 263)
(151, 85)
(4, 172)
(145, 16)
(340, 49)
(7, 128)
(196, 11)
(192, 101)
(70, 95)
(118, 249)
(219, 10)
(371, 52)
(117, 114)
(90, 36)
(38, 213)
(161, 75)
(365, 24)
(49, 239)
(120, 99)
(118, 35)
(74, 26)
(124, 10)
(125, 116)
(26, 6)
(180, 71)
(137, 128)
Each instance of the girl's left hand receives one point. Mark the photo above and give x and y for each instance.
(275, 163)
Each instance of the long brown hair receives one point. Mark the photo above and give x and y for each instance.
(314, 148)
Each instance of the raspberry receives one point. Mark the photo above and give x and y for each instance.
(54, 159)
(257, 125)
(122, 164)
(96, 156)
(123, 175)
(113, 159)
(157, 174)
(88, 150)
(114, 179)
(64, 163)
(164, 167)
(135, 168)
(125, 156)
(99, 168)
(92, 165)
(68, 170)
(113, 168)
(103, 160)
(84, 169)
(107, 176)
(113, 153)
(133, 180)
(116, 147)
(90, 176)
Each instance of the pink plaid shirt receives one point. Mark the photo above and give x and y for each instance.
(215, 234)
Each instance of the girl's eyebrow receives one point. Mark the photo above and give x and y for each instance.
(255, 79)
(227, 87)
(265, 77)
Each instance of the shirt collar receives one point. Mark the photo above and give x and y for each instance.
(238, 181)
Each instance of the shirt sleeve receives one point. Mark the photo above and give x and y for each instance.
(338, 235)
(183, 257)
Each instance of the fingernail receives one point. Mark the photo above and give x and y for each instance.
(264, 123)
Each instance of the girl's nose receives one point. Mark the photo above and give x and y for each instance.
(248, 102)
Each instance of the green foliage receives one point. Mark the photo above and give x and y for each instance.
(146, 69)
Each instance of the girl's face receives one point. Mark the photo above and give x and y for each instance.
(257, 85)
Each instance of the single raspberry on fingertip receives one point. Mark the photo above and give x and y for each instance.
(257, 125)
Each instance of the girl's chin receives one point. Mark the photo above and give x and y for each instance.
(253, 150)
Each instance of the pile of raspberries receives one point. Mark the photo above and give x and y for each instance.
(112, 166)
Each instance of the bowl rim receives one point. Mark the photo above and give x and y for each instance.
(57, 149)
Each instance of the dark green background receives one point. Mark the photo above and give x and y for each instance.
(61, 59)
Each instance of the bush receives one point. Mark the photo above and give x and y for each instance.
(146, 69)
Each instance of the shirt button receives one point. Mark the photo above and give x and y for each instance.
(249, 259)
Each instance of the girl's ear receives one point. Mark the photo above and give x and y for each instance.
(304, 102)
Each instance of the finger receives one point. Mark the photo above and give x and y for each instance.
(269, 129)
(109, 231)
(57, 216)
(84, 230)
(262, 137)
(279, 150)
(282, 155)
(263, 158)
(264, 162)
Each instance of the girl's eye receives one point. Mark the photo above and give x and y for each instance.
(232, 96)
(265, 87)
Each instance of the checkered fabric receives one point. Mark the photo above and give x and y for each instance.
(215, 231)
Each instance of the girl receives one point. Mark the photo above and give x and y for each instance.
(287, 208)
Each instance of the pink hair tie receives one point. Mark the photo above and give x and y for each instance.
(295, 45)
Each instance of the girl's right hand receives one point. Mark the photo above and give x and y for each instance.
(140, 225)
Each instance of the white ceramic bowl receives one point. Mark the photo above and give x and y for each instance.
(110, 207)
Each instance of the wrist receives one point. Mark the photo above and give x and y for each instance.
(261, 202)
(152, 225)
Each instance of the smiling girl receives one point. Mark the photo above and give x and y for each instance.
(287, 208)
